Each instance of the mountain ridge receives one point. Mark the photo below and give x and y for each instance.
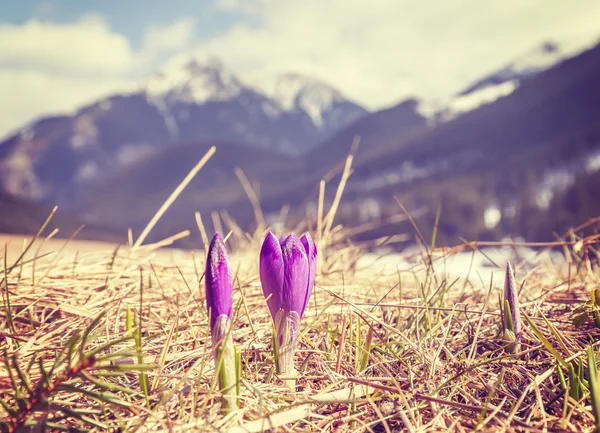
(56, 158)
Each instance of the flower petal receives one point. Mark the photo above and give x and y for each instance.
(271, 272)
(311, 255)
(218, 281)
(295, 279)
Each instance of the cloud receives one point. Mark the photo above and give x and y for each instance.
(375, 53)
(379, 52)
(86, 46)
(170, 38)
(28, 93)
(47, 67)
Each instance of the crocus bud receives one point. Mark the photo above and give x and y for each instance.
(287, 273)
(511, 316)
(219, 302)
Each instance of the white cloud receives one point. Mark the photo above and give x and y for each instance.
(383, 50)
(169, 38)
(28, 93)
(86, 46)
(376, 52)
(46, 67)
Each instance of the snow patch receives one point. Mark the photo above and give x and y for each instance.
(85, 132)
(502, 82)
(539, 59)
(481, 97)
(479, 269)
(87, 172)
(442, 110)
(544, 198)
(553, 181)
(194, 83)
(592, 163)
(271, 110)
(407, 172)
(27, 133)
(370, 210)
(492, 217)
(297, 92)
(561, 178)
(132, 153)
(19, 177)
(105, 104)
(169, 119)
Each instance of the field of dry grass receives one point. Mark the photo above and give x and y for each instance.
(117, 339)
(413, 351)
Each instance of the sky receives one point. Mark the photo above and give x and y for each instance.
(56, 55)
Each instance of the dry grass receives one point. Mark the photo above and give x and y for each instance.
(433, 362)
(411, 350)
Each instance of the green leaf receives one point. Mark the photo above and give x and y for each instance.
(238, 370)
(128, 367)
(90, 328)
(508, 315)
(594, 386)
(106, 397)
(80, 416)
(108, 344)
(561, 378)
(574, 390)
(547, 344)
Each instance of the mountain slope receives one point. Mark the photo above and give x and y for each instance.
(526, 66)
(373, 130)
(134, 194)
(500, 82)
(498, 157)
(562, 101)
(56, 159)
(326, 106)
(24, 217)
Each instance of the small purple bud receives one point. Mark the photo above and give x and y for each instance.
(219, 283)
(219, 302)
(511, 295)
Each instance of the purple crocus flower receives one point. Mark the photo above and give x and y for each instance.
(219, 302)
(287, 273)
(219, 286)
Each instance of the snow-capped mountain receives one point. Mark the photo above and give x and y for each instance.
(54, 158)
(326, 106)
(194, 83)
(499, 83)
(527, 65)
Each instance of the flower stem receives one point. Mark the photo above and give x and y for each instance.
(226, 362)
(228, 374)
(287, 332)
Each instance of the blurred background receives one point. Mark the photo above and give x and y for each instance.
(489, 111)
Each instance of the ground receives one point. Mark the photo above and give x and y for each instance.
(387, 343)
